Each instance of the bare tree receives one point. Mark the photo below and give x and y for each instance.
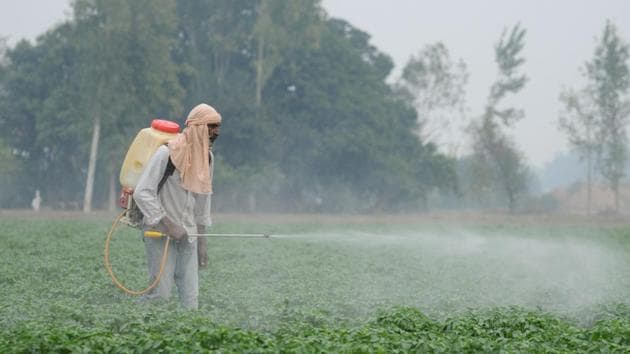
(435, 86)
(493, 148)
(578, 122)
(608, 82)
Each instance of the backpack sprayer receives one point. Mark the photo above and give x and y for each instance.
(146, 142)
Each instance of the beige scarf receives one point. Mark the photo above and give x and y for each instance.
(190, 149)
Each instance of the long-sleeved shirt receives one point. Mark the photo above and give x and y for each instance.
(181, 206)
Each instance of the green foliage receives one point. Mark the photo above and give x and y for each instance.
(9, 169)
(111, 61)
(127, 75)
(213, 61)
(292, 294)
(344, 141)
(36, 121)
(310, 122)
(282, 27)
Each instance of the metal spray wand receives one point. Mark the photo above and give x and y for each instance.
(161, 234)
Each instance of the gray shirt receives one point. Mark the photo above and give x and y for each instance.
(181, 206)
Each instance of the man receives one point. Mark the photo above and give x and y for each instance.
(180, 206)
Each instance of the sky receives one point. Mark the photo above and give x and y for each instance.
(561, 37)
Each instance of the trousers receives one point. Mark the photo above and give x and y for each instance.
(181, 268)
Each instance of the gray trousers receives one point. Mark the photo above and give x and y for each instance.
(181, 267)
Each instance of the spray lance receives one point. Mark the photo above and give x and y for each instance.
(157, 234)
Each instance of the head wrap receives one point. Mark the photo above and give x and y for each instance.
(190, 149)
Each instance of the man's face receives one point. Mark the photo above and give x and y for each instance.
(213, 131)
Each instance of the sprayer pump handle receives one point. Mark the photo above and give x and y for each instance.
(153, 234)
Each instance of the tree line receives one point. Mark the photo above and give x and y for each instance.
(310, 122)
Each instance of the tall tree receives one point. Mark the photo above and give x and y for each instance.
(343, 140)
(609, 79)
(127, 72)
(492, 146)
(281, 29)
(281, 26)
(214, 40)
(579, 123)
(435, 86)
(8, 161)
(41, 136)
(217, 49)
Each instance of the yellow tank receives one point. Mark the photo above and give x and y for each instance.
(143, 147)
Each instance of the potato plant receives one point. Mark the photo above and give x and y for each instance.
(317, 287)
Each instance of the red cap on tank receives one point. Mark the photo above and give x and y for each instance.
(166, 126)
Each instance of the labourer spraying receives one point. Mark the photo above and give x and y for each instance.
(179, 204)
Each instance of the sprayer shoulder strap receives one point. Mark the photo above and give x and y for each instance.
(170, 168)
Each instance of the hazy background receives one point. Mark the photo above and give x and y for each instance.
(560, 38)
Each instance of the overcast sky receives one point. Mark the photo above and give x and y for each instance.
(560, 38)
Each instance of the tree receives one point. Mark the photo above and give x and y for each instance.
(7, 160)
(328, 132)
(3, 51)
(214, 41)
(434, 85)
(343, 139)
(579, 123)
(127, 72)
(492, 147)
(217, 50)
(231, 49)
(90, 82)
(8, 163)
(608, 81)
(39, 142)
(282, 26)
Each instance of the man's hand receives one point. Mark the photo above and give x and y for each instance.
(202, 247)
(174, 230)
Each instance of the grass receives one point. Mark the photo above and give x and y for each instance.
(322, 285)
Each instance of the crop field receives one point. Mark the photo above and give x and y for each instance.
(325, 284)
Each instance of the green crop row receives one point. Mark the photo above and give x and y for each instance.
(392, 331)
(335, 288)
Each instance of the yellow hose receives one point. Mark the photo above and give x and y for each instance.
(108, 265)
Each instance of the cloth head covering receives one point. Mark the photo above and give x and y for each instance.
(190, 149)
